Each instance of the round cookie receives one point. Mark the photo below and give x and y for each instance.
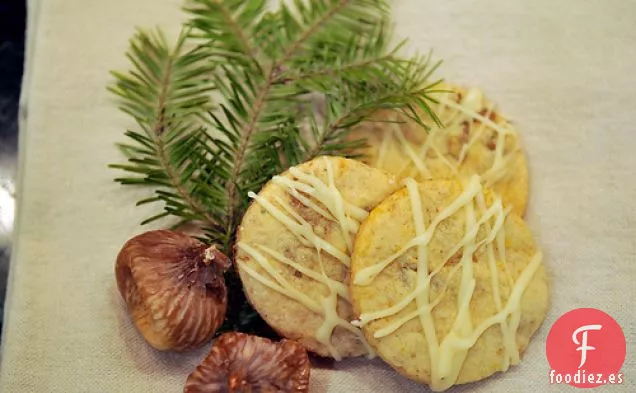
(447, 284)
(475, 139)
(293, 250)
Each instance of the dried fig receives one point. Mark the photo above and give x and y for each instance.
(173, 288)
(241, 363)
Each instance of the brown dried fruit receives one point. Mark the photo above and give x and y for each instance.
(241, 363)
(173, 288)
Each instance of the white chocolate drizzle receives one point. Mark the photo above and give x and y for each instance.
(466, 119)
(448, 353)
(325, 199)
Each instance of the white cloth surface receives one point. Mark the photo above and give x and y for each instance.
(562, 70)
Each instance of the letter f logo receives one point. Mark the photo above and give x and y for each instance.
(583, 344)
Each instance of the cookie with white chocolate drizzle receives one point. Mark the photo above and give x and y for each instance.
(447, 284)
(475, 139)
(294, 245)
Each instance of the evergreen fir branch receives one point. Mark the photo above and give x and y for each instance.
(355, 90)
(228, 27)
(365, 74)
(309, 24)
(341, 117)
(165, 93)
(297, 75)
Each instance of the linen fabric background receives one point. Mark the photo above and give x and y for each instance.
(562, 70)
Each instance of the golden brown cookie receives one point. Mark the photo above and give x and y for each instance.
(293, 250)
(475, 139)
(447, 284)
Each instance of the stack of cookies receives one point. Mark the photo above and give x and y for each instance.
(417, 254)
